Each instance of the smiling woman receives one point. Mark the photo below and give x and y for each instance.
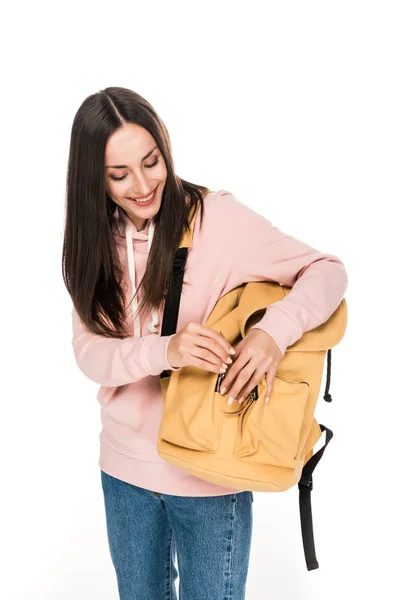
(126, 216)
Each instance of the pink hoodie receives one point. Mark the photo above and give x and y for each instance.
(235, 245)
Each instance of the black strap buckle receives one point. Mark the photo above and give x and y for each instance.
(308, 484)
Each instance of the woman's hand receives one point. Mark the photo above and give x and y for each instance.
(199, 346)
(256, 355)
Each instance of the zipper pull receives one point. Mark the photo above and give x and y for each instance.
(219, 381)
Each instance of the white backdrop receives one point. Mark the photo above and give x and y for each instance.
(294, 108)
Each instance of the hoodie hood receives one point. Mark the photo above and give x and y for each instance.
(125, 232)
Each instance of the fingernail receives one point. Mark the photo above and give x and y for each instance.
(267, 399)
(232, 351)
(231, 399)
(241, 400)
(223, 390)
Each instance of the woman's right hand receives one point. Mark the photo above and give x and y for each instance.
(199, 346)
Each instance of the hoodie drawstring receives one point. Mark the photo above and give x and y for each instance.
(131, 264)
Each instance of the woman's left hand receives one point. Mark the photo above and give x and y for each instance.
(256, 355)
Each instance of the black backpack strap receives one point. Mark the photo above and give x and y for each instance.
(306, 483)
(173, 297)
(305, 486)
(327, 396)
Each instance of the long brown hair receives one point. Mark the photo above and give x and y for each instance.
(91, 268)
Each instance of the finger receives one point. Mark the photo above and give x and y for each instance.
(229, 377)
(208, 343)
(208, 357)
(242, 382)
(232, 373)
(217, 337)
(252, 383)
(270, 383)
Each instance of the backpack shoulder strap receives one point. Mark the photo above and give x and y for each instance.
(173, 297)
(305, 486)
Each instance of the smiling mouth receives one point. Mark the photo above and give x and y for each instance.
(147, 200)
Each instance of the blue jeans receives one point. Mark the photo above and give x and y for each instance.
(208, 536)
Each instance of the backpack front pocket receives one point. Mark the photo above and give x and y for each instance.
(269, 433)
(193, 420)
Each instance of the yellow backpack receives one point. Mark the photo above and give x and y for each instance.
(266, 447)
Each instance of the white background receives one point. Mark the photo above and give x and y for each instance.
(294, 108)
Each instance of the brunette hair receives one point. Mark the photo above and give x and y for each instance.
(91, 269)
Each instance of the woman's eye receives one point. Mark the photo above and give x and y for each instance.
(118, 178)
(146, 166)
(153, 164)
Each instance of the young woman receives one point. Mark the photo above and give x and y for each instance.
(126, 210)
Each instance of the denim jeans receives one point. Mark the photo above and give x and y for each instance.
(152, 535)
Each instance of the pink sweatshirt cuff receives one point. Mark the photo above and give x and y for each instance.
(168, 338)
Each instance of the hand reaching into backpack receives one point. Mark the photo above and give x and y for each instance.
(199, 346)
(257, 354)
(202, 347)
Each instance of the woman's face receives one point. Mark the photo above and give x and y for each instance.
(134, 168)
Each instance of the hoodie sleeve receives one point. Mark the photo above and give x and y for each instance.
(261, 252)
(112, 361)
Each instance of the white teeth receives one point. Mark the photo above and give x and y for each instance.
(143, 199)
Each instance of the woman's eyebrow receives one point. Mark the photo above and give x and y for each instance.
(124, 166)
